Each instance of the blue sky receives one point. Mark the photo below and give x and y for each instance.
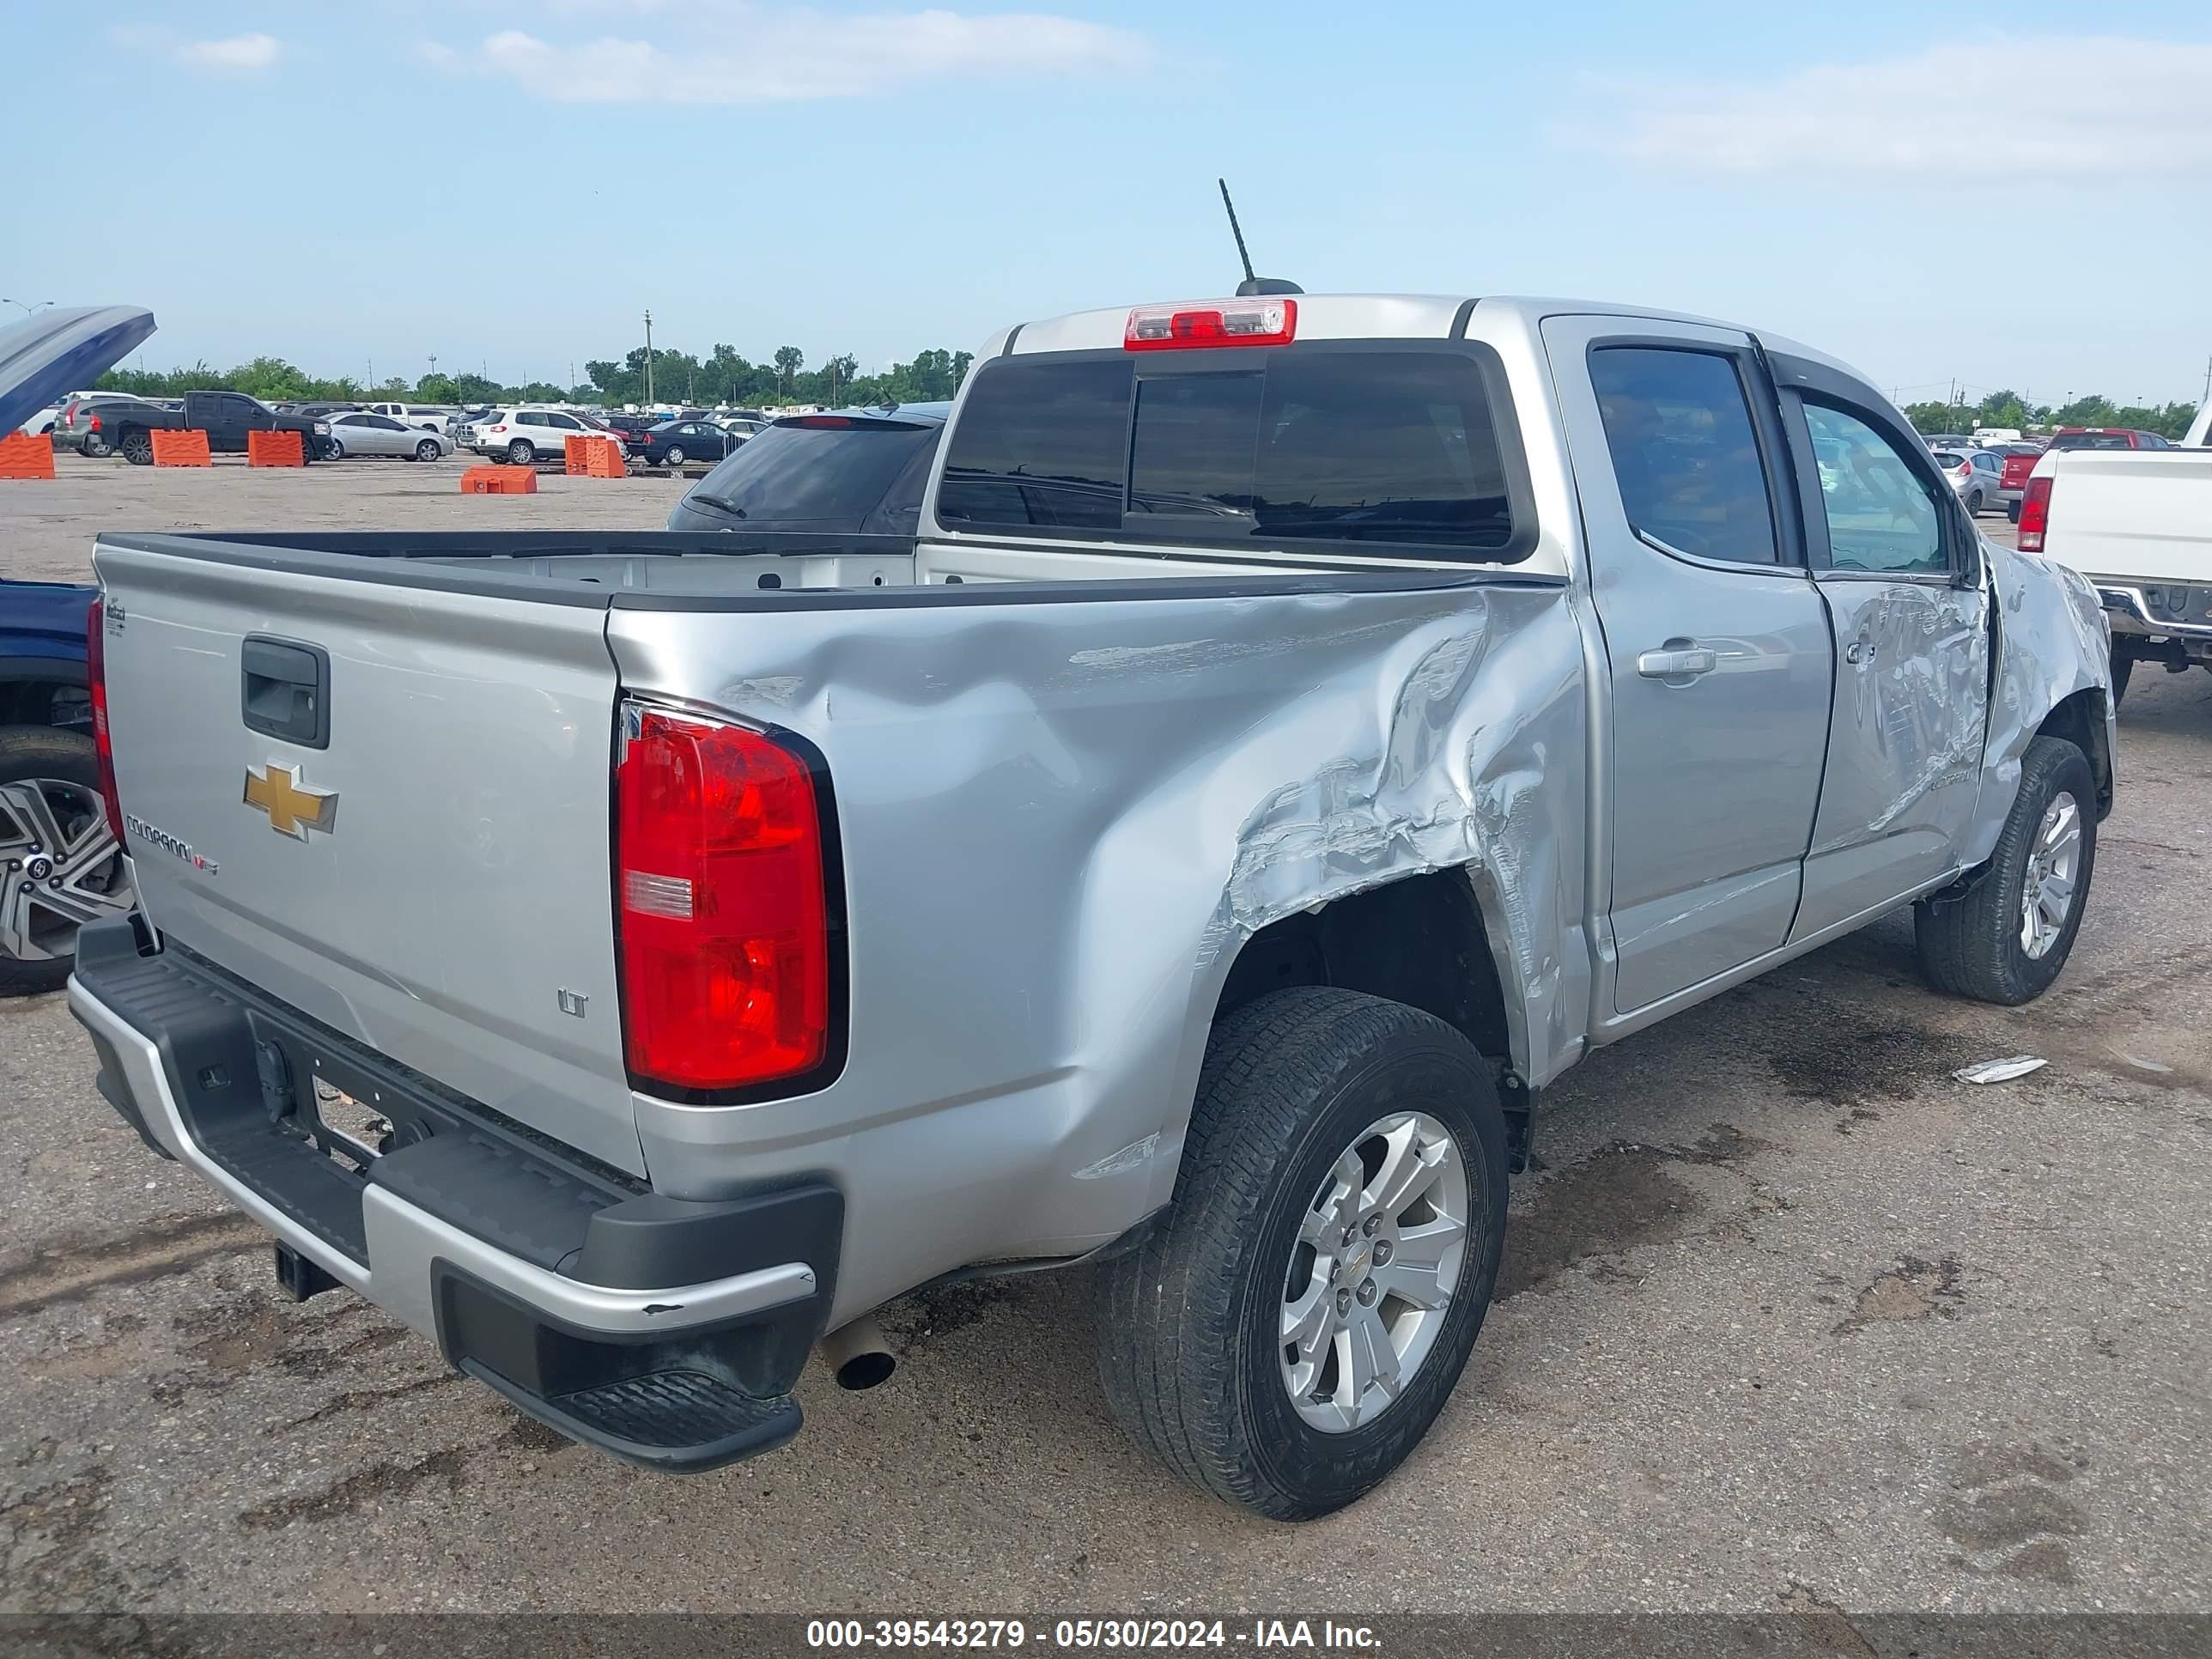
(2025, 203)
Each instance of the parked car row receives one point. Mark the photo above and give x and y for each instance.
(521, 436)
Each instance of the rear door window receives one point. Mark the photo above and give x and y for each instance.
(1373, 448)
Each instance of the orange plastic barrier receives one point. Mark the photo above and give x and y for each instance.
(23, 456)
(594, 456)
(500, 481)
(274, 449)
(180, 448)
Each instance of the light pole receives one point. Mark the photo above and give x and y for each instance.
(29, 310)
(648, 357)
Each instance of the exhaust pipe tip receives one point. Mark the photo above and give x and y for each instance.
(858, 1356)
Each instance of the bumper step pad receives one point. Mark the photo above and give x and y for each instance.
(678, 1421)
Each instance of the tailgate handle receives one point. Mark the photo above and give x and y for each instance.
(287, 692)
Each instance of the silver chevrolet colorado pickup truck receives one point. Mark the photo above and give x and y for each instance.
(1301, 727)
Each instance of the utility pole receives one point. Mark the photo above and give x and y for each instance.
(434, 365)
(2205, 396)
(648, 357)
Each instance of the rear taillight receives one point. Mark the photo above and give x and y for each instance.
(94, 424)
(2035, 514)
(96, 671)
(1211, 323)
(722, 905)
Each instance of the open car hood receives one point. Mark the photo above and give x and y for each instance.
(58, 352)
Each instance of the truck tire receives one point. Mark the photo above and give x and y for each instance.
(2006, 938)
(1338, 1219)
(137, 446)
(50, 802)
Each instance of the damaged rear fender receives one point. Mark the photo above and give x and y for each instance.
(2052, 643)
(1453, 747)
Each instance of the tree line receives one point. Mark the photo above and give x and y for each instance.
(721, 377)
(2009, 409)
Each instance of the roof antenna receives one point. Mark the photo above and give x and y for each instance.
(1251, 285)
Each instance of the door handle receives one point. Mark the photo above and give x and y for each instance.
(1678, 661)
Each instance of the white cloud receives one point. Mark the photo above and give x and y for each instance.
(239, 54)
(2047, 105)
(743, 53)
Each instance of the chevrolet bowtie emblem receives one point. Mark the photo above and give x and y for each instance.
(293, 808)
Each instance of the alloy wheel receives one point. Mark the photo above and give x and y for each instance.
(61, 866)
(1377, 1259)
(2054, 860)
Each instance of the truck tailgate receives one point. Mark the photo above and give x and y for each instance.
(2140, 513)
(433, 878)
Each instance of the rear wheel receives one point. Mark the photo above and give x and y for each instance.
(675, 456)
(95, 446)
(1973, 503)
(61, 866)
(138, 448)
(1300, 1313)
(520, 453)
(2006, 939)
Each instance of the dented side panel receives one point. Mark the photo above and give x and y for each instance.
(1904, 742)
(1070, 818)
(2053, 640)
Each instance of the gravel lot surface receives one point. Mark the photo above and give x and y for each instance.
(1790, 1318)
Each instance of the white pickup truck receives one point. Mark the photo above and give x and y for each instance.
(2138, 524)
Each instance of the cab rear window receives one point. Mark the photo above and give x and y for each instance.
(1389, 448)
